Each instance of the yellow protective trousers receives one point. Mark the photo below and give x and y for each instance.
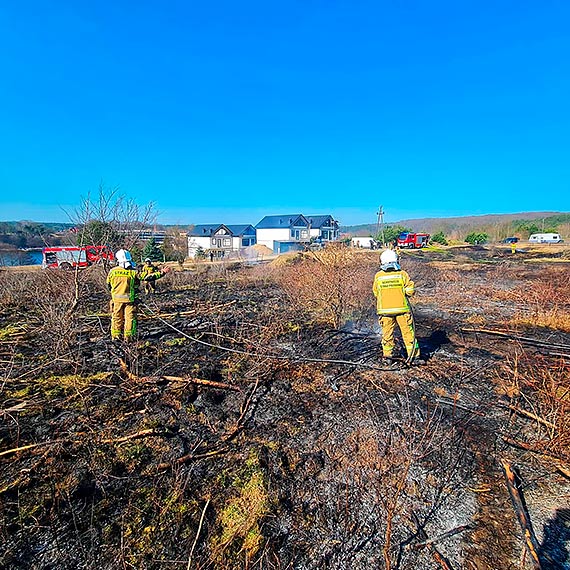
(123, 320)
(406, 324)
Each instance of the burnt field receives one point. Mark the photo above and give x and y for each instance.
(253, 424)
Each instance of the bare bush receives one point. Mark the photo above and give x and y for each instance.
(333, 285)
(544, 392)
(111, 219)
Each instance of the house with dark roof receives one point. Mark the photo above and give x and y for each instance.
(289, 232)
(286, 232)
(323, 228)
(220, 240)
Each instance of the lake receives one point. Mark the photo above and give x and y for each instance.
(20, 257)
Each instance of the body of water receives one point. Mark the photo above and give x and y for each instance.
(20, 257)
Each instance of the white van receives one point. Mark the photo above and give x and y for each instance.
(545, 238)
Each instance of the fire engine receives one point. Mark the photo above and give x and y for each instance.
(75, 256)
(412, 241)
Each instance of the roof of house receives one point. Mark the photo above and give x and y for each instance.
(282, 221)
(238, 230)
(319, 221)
(203, 230)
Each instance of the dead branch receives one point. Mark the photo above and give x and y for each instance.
(443, 536)
(454, 404)
(437, 556)
(243, 410)
(31, 446)
(139, 434)
(189, 457)
(524, 339)
(185, 380)
(197, 535)
(529, 447)
(564, 470)
(17, 408)
(199, 381)
(529, 415)
(522, 515)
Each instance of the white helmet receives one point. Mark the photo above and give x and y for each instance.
(124, 259)
(388, 256)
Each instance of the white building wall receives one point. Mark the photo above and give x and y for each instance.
(266, 236)
(362, 241)
(195, 242)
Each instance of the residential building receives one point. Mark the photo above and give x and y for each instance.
(286, 232)
(221, 240)
(323, 228)
(291, 232)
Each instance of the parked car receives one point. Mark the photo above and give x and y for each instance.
(511, 240)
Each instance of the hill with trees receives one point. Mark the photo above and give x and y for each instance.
(496, 226)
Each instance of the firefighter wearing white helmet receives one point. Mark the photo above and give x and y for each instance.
(392, 287)
(123, 284)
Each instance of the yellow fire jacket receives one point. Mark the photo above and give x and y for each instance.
(123, 284)
(150, 273)
(392, 289)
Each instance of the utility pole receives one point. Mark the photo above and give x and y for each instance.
(380, 223)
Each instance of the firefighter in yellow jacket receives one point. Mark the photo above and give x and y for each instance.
(123, 283)
(149, 274)
(392, 287)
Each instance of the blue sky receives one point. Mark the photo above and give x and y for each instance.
(225, 111)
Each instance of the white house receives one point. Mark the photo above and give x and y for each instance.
(290, 232)
(287, 232)
(220, 240)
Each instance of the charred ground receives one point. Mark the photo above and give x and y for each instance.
(253, 425)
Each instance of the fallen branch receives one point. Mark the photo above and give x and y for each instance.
(437, 556)
(243, 411)
(443, 536)
(187, 380)
(139, 434)
(529, 447)
(511, 336)
(31, 446)
(529, 415)
(522, 515)
(202, 382)
(16, 408)
(189, 457)
(454, 404)
(197, 535)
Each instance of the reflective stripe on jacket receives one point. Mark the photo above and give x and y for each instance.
(123, 284)
(391, 289)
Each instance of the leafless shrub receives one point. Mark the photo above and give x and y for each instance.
(111, 218)
(542, 389)
(333, 285)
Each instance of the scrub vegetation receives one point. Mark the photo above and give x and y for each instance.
(254, 426)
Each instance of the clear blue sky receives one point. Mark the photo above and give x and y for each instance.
(224, 111)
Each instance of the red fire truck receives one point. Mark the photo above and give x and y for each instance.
(75, 256)
(412, 241)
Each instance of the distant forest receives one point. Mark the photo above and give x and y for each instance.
(496, 226)
(28, 234)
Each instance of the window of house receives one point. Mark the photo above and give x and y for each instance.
(213, 242)
(304, 234)
(227, 242)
